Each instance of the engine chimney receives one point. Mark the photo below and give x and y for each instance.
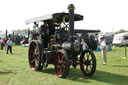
(71, 20)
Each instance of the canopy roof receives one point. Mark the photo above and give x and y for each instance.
(85, 31)
(54, 17)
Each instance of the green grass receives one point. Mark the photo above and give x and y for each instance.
(14, 70)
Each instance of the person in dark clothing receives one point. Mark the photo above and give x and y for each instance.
(2, 43)
(9, 45)
(52, 28)
(44, 31)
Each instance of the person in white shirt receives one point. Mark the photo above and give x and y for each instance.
(103, 50)
(9, 45)
(84, 45)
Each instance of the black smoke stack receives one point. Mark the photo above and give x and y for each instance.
(6, 34)
(71, 20)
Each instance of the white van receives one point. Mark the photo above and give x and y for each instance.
(120, 39)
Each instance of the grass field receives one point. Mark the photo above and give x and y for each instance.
(14, 70)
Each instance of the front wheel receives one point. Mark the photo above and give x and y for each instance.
(34, 55)
(88, 62)
(61, 63)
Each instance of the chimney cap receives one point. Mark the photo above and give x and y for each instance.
(71, 6)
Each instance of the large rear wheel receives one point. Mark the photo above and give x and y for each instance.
(61, 62)
(35, 52)
(88, 62)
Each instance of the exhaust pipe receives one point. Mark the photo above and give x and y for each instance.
(71, 21)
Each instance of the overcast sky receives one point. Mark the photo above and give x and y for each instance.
(106, 15)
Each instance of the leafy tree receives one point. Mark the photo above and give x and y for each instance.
(121, 31)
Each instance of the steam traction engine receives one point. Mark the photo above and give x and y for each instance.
(57, 43)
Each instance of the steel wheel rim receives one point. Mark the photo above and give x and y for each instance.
(33, 56)
(60, 65)
(87, 63)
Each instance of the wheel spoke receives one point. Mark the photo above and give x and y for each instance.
(62, 58)
(58, 58)
(63, 64)
(37, 52)
(90, 66)
(86, 67)
(33, 61)
(88, 56)
(31, 51)
(60, 70)
(36, 62)
(84, 60)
